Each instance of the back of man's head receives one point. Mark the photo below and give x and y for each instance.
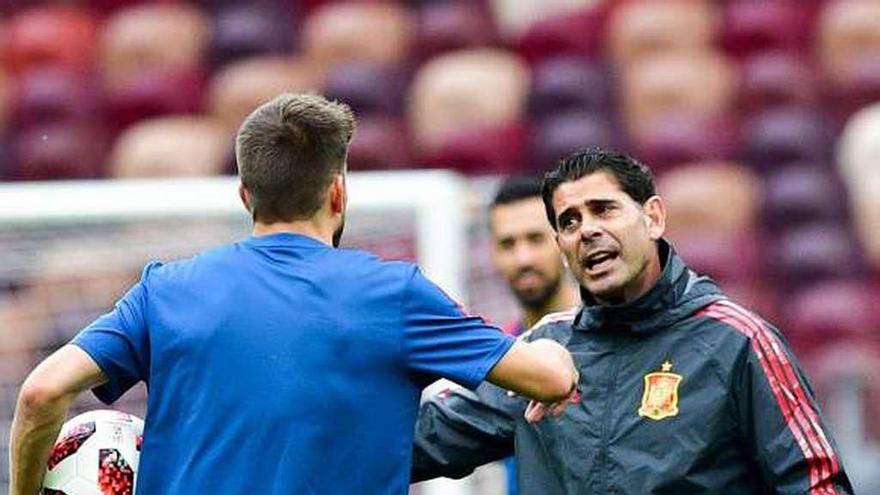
(288, 151)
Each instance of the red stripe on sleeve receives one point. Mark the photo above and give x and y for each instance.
(831, 462)
(797, 411)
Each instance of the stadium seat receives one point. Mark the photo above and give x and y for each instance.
(369, 88)
(7, 160)
(866, 217)
(754, 26)
(452, 25)
(246, 30)
(106, 7)
(170, 147)
(218, 5)
(846, 374)
(480, 88)
(575, 33)
(711, 196)
(643, 28)
(55, 95)
(481, 150)
(568, 84)
(775, 79)
(847, 36)
(153, 94)
(802, 193)
(832, 310)
(810, 253)
(785, 135)
(515, 17)
(860, 89)
(848, 48)
(858, 158)
(153, 37)
(676, 140)
(238, 88)
(725, 256)
(59, 151)
(50, 35)
(380, 143)
(858, 151)
(696, 85)
(733, 260)
(7, 93)
(555, 137)
(347, 31)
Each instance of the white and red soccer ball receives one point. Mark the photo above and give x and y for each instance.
(97, 453)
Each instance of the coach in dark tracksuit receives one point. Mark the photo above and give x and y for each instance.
(682, 391)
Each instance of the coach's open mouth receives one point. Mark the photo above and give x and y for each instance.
(599, 260)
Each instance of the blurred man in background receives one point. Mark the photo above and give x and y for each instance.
(683, 391)
(267, 359)
(525, 253)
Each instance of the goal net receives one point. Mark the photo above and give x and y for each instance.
(70, 249)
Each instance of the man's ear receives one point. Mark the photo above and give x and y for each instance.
(655, 217)
(338, 194)
(245, 197)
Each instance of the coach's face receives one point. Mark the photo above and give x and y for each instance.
(608, 239)
(524, 251)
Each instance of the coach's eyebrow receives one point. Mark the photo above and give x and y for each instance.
(600, 202)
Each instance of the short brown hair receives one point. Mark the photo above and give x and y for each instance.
(635, 179)
(288, 151)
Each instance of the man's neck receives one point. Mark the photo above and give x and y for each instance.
(564, 299)
(305, 228)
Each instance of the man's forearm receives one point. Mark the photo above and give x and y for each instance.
(34, 430)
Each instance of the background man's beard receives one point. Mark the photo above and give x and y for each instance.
(337, 235)
(538, 300)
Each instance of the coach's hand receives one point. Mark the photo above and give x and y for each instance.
(536, 411)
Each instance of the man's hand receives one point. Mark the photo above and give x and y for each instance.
(536, 411)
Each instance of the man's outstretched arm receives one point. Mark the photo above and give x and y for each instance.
(459, 430)
(42, 406)
(541, 370)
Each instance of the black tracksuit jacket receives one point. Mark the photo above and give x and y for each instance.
(682, 392)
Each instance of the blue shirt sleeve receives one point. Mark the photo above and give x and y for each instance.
(119, 343)
(442, 341)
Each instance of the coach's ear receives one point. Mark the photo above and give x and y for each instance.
(338, 195)
(655, 217)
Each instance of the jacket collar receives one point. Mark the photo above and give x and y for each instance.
(676, 294)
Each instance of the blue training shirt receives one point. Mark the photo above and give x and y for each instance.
(279, 365)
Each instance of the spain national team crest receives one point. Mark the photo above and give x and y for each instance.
(660, 399)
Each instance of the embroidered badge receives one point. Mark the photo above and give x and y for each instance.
(660, 399)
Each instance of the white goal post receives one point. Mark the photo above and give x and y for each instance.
(436, 197)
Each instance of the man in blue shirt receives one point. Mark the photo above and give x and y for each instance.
(278, 364)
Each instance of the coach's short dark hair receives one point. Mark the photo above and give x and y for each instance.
(635, 179)
(288, 151)
(517, 188)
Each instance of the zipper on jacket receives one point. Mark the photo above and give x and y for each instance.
(608, 418)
